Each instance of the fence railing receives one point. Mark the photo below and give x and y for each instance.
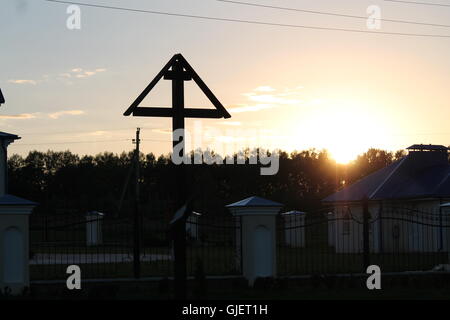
(103, 246)
(330, 241)
(348, 239)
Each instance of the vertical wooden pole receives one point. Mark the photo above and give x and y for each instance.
(179, 226)
(136, 224)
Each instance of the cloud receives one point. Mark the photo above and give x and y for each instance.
(266, 97)
(19, 116)
(56, 115)
(33, 82)
(248, 108)
(273, 98)
(81, 73)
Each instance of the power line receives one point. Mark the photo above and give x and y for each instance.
(68, 142)
(82, 131)
(332, 13)
(251, 21)
(420, 3)
(82, 142)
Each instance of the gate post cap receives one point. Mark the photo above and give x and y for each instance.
(293, 212)
(255, 205)
(94, 213)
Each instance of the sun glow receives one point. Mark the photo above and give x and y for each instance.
(345, 128)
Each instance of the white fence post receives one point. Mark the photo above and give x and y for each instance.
(94, 234)
(258, 236)
(14, 243)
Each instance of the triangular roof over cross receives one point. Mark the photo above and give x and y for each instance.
(188, 73)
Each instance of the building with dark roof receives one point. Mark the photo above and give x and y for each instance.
(423, 174)
(417, 184)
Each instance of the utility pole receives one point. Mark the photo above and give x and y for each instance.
(136, 224)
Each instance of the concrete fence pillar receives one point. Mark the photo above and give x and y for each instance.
(14, 243)
(256, 244)
(94, 234)
(445, 220)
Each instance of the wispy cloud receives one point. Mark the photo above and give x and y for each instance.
(22, 81)
(19, 116)
(81, 73)
(249, 108)
(58, 114)
(266, 97)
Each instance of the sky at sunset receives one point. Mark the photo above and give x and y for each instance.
(287, 88)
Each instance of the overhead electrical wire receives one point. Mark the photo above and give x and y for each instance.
(420, 3)
(254, 22)
(81, 142)
(332, 13)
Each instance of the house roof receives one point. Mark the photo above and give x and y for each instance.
(254, 202)
(8, 136)
(10, 200)
(419, 175)
(2, 99)
(428, 147)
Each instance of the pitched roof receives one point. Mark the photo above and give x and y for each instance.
(2, 100)
(418, 175)
(428, 147)
(8, 199)
(8, 136)
(254, 202)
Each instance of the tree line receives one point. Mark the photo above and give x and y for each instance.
(67, 182)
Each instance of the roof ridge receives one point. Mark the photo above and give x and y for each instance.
(442, 182)
(388, 177)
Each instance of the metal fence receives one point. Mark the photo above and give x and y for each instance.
(104, 246)
(348, 239)
(328, 241)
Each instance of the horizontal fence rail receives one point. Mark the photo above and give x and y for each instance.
(103, 246)
(333, 241)
(338, 240)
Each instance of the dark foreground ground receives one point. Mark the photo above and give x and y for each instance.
(404, 287)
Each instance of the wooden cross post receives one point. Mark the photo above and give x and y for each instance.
(178, 70)
(178, 76)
